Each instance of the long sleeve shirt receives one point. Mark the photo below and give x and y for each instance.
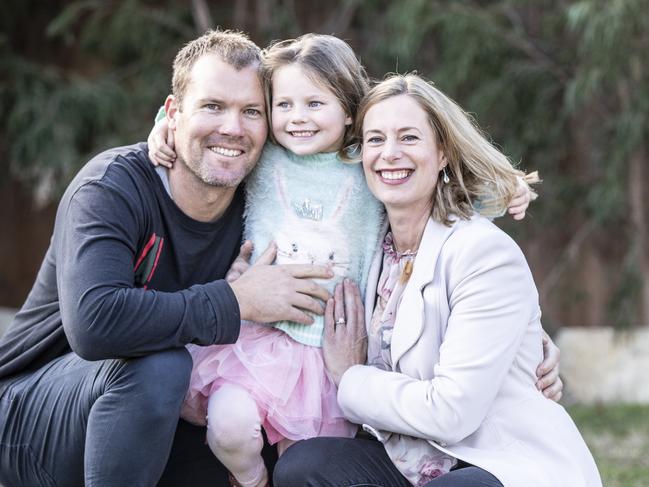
(127, 273)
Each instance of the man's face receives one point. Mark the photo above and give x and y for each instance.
(220, 127)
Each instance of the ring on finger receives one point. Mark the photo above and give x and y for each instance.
(341, 321)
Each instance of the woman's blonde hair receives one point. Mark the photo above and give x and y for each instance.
(329, 62)
(481, 178)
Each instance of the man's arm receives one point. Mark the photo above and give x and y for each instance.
(105, 316)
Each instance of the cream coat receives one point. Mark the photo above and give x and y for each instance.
(465, 347)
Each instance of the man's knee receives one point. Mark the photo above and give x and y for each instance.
(298, 464)
(160, 378)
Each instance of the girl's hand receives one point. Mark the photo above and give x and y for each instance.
(548, 372)
(241, 263)
(345, 336)
(161, 144)
(524, 195)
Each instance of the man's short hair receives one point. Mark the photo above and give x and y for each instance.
(233, 47)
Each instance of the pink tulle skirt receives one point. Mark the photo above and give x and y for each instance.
(287, 379)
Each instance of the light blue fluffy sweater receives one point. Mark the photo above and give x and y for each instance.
(318, 210)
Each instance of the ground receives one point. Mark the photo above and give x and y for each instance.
(618, 437)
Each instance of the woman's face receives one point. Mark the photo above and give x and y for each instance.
(401, 158)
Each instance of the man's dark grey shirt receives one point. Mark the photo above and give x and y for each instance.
(127, 273)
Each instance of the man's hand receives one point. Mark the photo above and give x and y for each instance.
(548, 372)
(267, 293)
(345, 337)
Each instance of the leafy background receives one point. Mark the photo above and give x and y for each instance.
(560, 85)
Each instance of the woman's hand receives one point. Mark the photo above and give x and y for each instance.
(548, 372)
(161, 144)
(345, 337)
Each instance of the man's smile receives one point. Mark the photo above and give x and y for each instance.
(224, 151)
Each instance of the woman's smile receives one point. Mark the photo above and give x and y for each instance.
(394, 176)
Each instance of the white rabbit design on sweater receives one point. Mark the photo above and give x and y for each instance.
(318, 210)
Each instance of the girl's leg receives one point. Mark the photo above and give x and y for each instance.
(234, 435)
(282, 445)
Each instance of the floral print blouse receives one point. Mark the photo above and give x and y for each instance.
(416, 458)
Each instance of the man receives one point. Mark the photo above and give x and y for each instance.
(93, 370)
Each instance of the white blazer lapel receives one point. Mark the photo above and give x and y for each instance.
(409, 324)
(435, 235)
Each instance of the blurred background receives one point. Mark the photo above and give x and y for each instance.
(561, 86)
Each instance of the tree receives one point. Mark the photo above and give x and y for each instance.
(561, 85)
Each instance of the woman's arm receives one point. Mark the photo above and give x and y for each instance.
(492, 300)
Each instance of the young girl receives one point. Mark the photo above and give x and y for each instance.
(316, 207)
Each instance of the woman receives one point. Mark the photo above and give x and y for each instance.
(454, 331)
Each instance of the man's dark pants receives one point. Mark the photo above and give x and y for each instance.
(359, 462)
(103, 423)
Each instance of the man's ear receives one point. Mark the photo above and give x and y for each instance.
(172, 109)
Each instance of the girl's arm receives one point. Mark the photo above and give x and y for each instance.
(161, 142)
(524, 195)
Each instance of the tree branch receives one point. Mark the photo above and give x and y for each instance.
(522, 40)
(202, 17)
(341, 18)
(570, 252)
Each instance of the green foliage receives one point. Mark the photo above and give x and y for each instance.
(562, 87)
(103, 91)
(52, 121)
(482, 56)
(611, 43)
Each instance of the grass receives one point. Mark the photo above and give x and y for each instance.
(618, 437)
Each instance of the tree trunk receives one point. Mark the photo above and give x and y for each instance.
(241, 14)
(202, 17)
(638, 181)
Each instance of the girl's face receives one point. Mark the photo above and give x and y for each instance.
(401, 158)
(307, 118)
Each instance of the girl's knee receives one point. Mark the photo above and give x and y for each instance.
(233, 420)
